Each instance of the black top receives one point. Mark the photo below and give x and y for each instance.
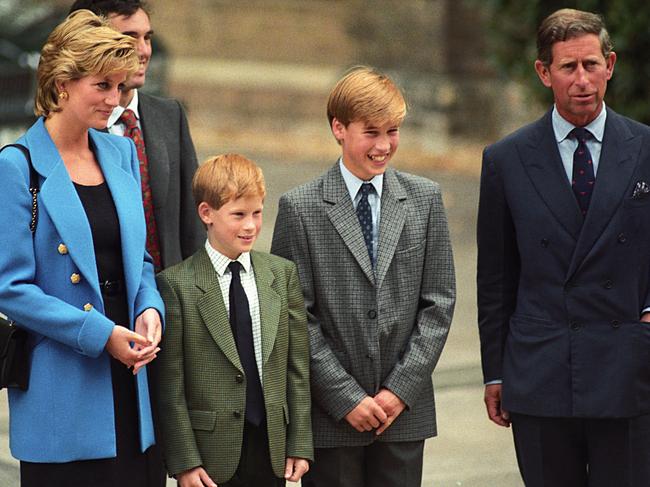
(105, 227)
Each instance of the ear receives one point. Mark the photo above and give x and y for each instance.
(205, 212)
(611, 60)
(543, 72)
(338, 129)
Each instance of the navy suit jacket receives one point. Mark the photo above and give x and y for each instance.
(67, 412)
(560, 295)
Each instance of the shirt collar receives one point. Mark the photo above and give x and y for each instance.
(220, 262)
(562, 127)
(118, 110)
(353, 183)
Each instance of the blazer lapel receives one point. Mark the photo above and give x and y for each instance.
(153, 130)
(618, 160)
(59, 198)
(391, 222)
(344, 219)
(541, 159)
(269, 302)
(212, 308)
(123, 186)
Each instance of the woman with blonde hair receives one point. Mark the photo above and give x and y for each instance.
(82, 284)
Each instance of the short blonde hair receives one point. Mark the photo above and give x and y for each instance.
(368, 95)
(82, 45)
(227, 177)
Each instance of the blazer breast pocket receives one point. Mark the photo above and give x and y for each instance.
(643, 202)
(410, 251)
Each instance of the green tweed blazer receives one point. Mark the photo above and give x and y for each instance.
(198, 386)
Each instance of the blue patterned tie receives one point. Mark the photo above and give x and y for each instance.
(583, 170)
(365, 218)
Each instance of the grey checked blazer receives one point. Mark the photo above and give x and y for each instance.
(368, 329)
(172, 163)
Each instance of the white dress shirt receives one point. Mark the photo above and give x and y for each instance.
(220, 263)
(116, 127)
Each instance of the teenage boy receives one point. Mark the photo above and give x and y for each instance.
(159, 128)
(233, 375)
(375, 263)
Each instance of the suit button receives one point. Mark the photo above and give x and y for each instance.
(616, 324)
(62, 248)
(372, 314)
(608, 284)
(75, 278)
(575, 326)
(544, 242)
(237, 414)
(239, 378)
(88, 307)
(622, 238)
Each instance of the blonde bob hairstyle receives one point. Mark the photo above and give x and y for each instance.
(227, 177)
(365, 94)
(82, 45)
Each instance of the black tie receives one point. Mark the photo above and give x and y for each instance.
(365, 218)
(242, 330)
(583, 170)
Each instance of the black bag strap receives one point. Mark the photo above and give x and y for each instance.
(33, 183)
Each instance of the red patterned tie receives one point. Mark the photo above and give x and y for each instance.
(135, 134)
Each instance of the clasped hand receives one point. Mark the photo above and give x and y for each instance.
(137, 349)
(377, 412)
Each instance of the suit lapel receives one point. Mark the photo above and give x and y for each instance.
(618, 160)
(154, 130)
(344, 219)
(212, 308)
(269, 303)
(541, 159)
(391, 222)
(59, 198)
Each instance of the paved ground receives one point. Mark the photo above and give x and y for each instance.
(469, 451)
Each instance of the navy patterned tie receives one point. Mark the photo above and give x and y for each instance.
(242, 329)
(583, 170)
(365, 218)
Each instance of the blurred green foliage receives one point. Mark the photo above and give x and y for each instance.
(512, 35)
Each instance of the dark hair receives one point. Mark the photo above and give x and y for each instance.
(108, 7)
(565, 24)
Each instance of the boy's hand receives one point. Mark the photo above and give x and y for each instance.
(195, 477)
(295, 468)
(392, 406)
(366, 416)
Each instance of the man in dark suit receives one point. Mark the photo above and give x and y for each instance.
(563, 273)
(160, 131)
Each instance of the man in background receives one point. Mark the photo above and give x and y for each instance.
(159, 128)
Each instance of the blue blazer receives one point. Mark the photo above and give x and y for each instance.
(67, 412)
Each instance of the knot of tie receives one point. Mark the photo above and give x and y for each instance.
(235, 266)
(128, 118)
(581, 134)
(366, 189)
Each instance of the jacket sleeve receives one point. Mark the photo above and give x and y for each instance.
(179, 444)
(336, 391)
(435, 310)
(299, 433)
(497, 270)
(191, 231)
(20, 298)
